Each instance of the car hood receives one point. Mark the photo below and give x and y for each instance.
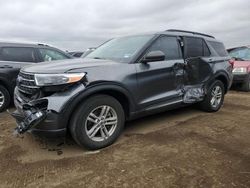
(241, 64)
(63, 66)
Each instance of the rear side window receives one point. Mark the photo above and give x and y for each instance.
(219, 48)
(195, 47)
(18, 54)
(168, 45)
(51, 55)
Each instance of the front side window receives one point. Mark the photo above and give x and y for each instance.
(168, 45)
(17, 54)
(51, 55)
(121, 49)
(240, 53)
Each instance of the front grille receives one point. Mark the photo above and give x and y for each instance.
(26, 84)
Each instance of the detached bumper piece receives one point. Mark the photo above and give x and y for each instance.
(29, 119)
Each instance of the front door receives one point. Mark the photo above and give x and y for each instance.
(158, 81)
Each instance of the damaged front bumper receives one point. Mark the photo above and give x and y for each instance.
(29, 119)
(43, 116)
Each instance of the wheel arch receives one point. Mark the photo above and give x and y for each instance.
(222, 76)
(4, 84)
(118, 92)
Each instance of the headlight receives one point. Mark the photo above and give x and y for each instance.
(57, 79)
(240, 70)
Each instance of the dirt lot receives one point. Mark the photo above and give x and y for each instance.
(180, 148)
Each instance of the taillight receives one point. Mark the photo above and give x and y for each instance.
(231, 61)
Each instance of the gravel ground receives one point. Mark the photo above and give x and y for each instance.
(180, 148)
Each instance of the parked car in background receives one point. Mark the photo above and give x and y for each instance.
(123, 79)
(87, 52)
(241, 71)
(14, 56)
(76, 54)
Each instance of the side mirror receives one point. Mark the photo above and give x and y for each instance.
(154, 56)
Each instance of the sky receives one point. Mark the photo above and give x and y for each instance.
(77, 24)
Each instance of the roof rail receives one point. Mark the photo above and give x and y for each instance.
(191, 32)
(40, 44)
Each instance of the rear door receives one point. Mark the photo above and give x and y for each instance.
(198, 69)
(157, 81)
(197, 57)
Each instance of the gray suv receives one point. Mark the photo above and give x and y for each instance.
(123, 79)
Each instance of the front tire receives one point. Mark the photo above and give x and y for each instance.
(4, 98)
(97, 122)
(214, 98)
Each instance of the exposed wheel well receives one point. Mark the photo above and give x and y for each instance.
(6, 86)
(224, 80)
(122, 98)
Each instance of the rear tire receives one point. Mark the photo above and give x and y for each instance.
(4, 98)
(246, 85)
(214, 98)
(97, 122)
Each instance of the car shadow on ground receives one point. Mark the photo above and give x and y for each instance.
(67, 147)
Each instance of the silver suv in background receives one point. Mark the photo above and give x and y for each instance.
(14, 56)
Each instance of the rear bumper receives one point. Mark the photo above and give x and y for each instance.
(44, 116)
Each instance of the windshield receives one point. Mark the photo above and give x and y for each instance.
(120, 49)
(241, 54)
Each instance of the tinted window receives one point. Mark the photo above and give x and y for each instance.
(18, 54)
(168, 45)
(196, 47)
(50, 55)
(219, 48)
(193, 47)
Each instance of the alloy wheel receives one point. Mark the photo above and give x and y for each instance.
(101, 123)
(216, 96)
(2, 99)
